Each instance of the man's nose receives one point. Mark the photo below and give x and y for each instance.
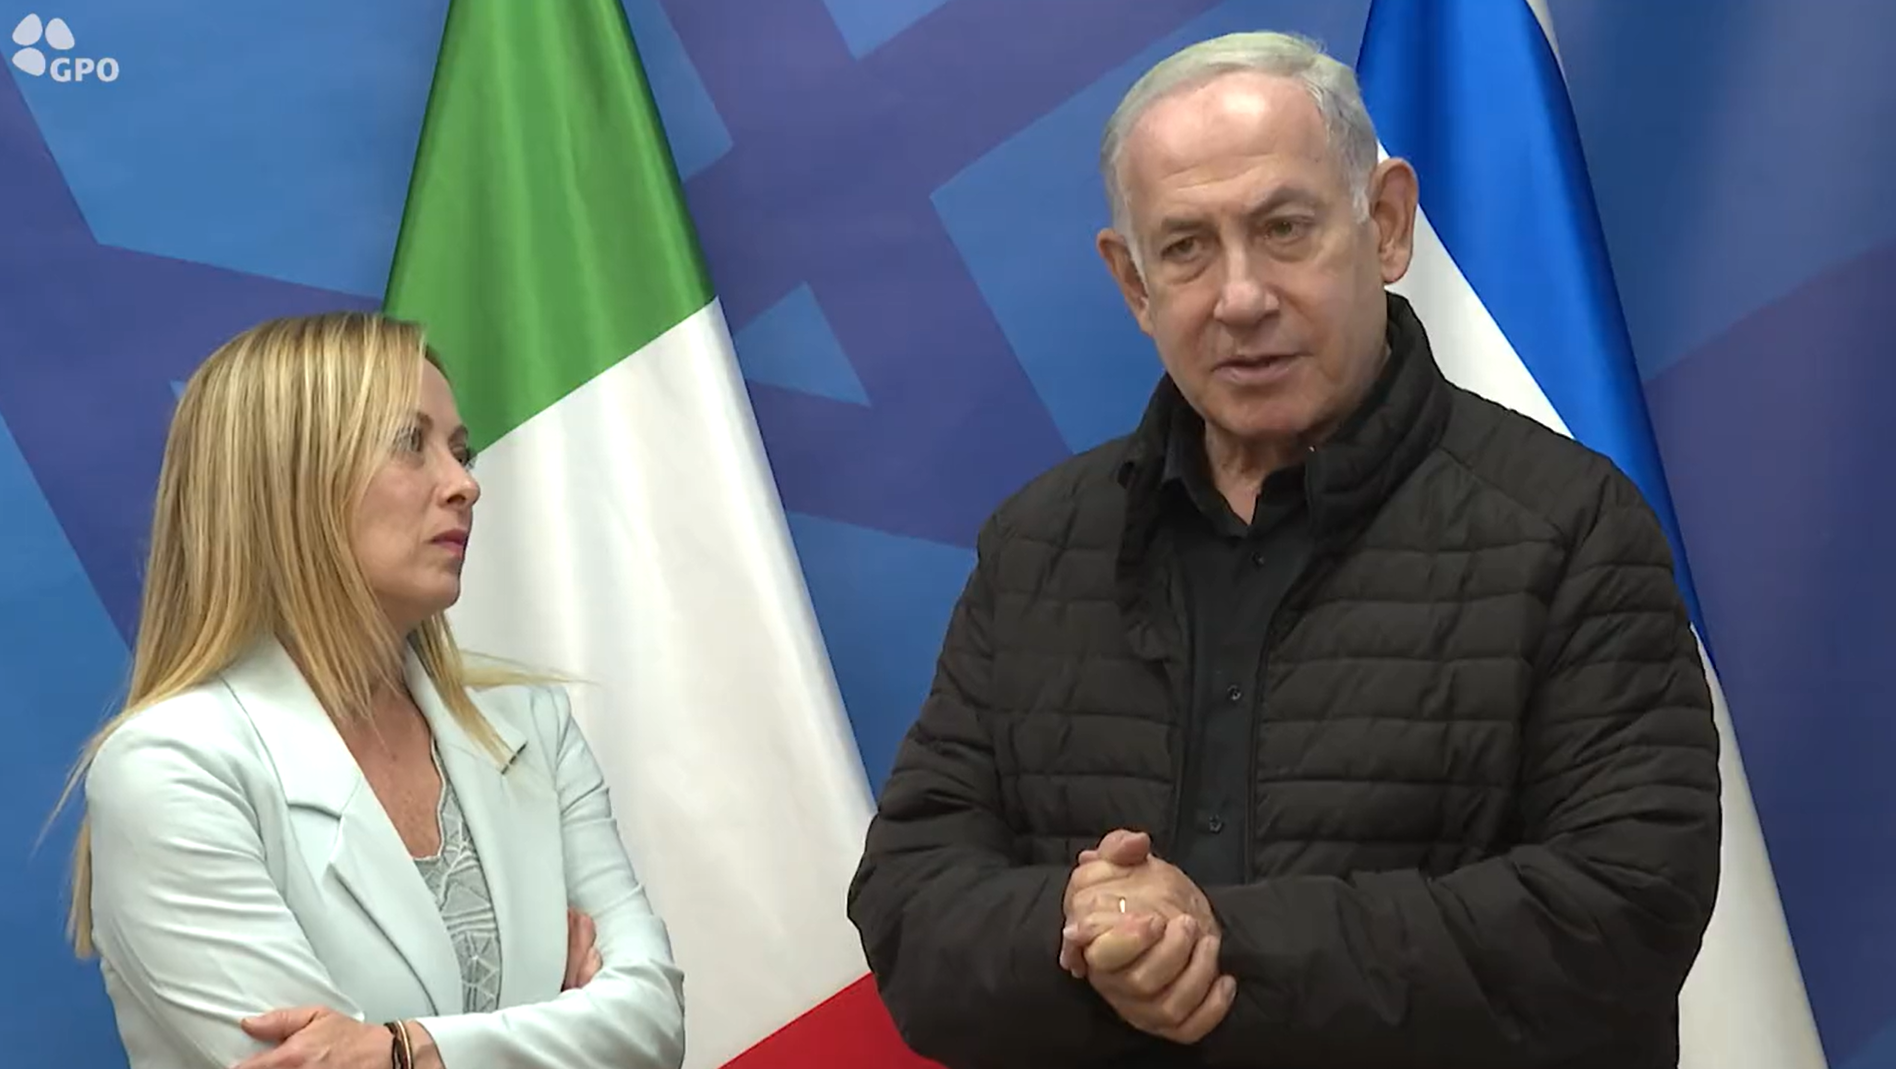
(1246, 294)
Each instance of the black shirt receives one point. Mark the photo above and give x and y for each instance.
(1234, 575)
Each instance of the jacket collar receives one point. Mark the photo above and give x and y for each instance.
(1350, 474)
(366, 854)
(312, 762)
(1346, 478)
(447, 727)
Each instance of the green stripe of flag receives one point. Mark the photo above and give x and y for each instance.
(545, 236)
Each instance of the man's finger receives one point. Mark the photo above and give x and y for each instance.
(1093, 925)
(1094, 873)
(1073, 953)
(1182, 997)
(1150, 973)
(1077, 936)
(1208, 1015)
(1121, 945)
(1123, 847)
(1087, 890)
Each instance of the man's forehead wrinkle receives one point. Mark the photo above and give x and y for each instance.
(1217, 131)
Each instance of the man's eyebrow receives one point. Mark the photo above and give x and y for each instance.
(1171, 223)
(1285, 197)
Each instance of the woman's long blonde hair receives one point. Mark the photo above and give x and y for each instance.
(273, 442)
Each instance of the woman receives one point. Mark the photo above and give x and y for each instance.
(311, 838)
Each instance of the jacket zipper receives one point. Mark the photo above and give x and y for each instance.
(1316, 568)
(1178, 678)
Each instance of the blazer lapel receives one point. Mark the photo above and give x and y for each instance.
(366, 854)
(512, 812)
(373, 863)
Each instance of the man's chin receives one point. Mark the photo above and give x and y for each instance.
(1265, 422)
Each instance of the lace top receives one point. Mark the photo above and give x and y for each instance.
(461, 893)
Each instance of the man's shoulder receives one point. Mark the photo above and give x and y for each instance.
(1561, 481)
(1078, 497)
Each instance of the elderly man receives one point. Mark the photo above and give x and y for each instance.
(1334, 718)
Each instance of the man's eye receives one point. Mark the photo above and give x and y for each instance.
(1286, 229)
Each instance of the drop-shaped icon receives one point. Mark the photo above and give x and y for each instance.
(28, 31)
(30, 60)
(59, 35)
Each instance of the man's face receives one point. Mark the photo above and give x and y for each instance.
(1261, 288)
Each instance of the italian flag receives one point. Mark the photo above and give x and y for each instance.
(629, 534)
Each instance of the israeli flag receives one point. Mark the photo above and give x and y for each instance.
(1511, 278)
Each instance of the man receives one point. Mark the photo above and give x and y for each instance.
(1335, 717)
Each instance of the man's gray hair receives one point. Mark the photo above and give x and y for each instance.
(1331, 84)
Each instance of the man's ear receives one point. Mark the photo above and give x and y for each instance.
(1118, 256)
(1392, 200)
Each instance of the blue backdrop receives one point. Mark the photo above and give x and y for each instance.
(897, 198)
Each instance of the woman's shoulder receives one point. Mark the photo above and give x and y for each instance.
(206, 716)
(535, 706)
(198, 733)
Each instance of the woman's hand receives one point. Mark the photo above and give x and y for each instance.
(316, 1037)
(582, 956)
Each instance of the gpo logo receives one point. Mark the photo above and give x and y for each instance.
(54, 34)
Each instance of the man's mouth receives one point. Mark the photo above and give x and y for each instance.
(1254, 369)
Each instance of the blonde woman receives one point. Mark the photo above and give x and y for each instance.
(310, 839)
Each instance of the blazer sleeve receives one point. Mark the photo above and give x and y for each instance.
(184, 909)
(632, 1014)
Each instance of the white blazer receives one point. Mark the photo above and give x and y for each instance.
(241, 863)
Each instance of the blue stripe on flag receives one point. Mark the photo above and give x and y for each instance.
(1469, 92)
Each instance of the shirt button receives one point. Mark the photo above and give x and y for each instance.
(1257, 558)
(1215, 825)
(1236, 693)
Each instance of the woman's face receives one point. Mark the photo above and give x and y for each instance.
(412, 526)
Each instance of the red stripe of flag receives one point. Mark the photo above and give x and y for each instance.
(849, 1030)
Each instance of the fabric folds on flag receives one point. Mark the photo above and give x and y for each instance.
(1512, 279)
(629, 534)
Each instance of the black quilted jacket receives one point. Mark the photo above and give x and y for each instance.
(1485, 809)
